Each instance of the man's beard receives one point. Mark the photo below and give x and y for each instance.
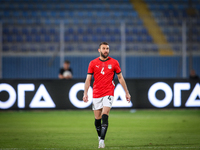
(104, 56)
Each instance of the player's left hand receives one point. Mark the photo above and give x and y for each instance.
(128, 97)
(85, 98)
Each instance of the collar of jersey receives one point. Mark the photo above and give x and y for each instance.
(103, 60)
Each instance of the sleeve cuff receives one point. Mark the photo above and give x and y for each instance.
(119, 72)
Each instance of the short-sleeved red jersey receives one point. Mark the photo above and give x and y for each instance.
(103, 72)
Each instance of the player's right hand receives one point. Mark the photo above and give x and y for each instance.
(128, 97)
(85, 98)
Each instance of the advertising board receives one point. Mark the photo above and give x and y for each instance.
(67, 94)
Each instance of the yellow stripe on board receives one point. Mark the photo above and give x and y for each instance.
(153, 28)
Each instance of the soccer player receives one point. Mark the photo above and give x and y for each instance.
(103, 69)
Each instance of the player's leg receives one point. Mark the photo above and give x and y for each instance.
(107, 104)
(97, 115)
(104, 125)
(97, 108)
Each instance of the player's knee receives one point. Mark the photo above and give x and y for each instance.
(105, 119)
(97, 117)
(106, 110)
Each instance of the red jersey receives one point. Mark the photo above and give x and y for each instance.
(103, 72)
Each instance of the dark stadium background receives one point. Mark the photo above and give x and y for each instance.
(31, 39)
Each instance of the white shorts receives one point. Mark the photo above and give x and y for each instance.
(98, 103)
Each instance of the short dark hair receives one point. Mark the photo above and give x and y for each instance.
(67, 62)
(103, 43)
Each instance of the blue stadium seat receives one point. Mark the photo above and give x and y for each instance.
(69, 48)
(140, 39)
(33, 48)
(19, 38)
(136, 48)
(52, 31)
(28, 38)
(95, 38)
(70, 30)
(37, 38)
(47, 38)
(129, 38)
(116, 31)
(195, 47)
(5, 48)
(115, 38)
(5, 30)
(176, 48)
(25, 13)
(80, 30)
(154, 48)
(89, 31)
(98, 30)
(6, 13)
(25, 31)
(144, 31)
(198, 38)
(75, 38)
(149, 39)
(24, 48)
(43, 14)
(9, 38)
(42, 48)
(48, 21)
(56, 38)
(16, 14)
(176, 31)
(54, 14)
(107, 30)
(179, 39)
(194, 30)
(86, 38)
(171, 39)
(43, 31)
(132, 31)
(34, 31)
(62, 14)
(52, 48)
(14, 48)
(67, 38)
(103, 38)
(15, 31)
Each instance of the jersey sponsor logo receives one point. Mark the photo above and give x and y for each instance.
(97, 66)
(109, 66)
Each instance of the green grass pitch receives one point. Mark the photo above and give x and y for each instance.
(74, 130)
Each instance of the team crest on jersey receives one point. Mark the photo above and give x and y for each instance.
(109, 66)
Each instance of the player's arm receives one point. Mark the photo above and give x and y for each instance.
(87, 85)
(123, 83)
(60, 76)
